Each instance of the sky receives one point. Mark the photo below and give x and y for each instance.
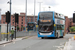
(65, 7)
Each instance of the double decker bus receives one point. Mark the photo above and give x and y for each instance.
(50, 24)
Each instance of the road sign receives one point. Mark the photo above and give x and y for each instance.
(36, 26)
(25, 24)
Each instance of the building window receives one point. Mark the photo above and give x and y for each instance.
(31, 19)
(27, 17)
(59, 14)
(36, 18)
(13, 19)
(13, 16)
(22, 19)
(22, 23)
(3, 19)
(3, 16)
(22, 16)
(70, 19)
(13, 22)
(3, 22)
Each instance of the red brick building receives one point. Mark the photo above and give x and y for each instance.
(21, 23)
(30, 18)
(68, 23)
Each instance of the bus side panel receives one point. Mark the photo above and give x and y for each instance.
(61, 33)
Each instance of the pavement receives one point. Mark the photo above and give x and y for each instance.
(70, 44)
(17, 39)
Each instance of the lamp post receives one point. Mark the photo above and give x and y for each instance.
(39, 6)
(26, 15)
(49, 8)
(0, 30)
(34, 10)
(0, 12)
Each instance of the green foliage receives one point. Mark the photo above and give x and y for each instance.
(17, 27)
(22, 27)
(72, 29)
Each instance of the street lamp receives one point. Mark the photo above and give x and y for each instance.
(0, 16)
(0, 12)
(26, 15)
(49, 8)
(34, 10)
(39, 6)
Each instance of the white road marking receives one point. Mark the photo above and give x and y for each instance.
(13, 42)
(59, 47)
(4, 45)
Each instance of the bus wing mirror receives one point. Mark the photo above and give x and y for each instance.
(38, 22)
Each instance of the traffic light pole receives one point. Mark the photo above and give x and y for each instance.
(10, 17)
(7, 20)
(15, 30)
(16, 21)
(7, 31)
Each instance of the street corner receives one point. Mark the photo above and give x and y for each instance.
(5, 42)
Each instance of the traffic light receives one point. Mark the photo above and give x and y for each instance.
(16, 18)
(7, 16)
(73, 17)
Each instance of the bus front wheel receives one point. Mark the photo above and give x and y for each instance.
(42, 37)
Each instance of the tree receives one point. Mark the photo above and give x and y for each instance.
(17, 27)
(22, 28)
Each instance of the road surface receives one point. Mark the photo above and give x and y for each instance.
(35, 43)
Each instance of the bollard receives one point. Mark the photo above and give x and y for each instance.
(74, 37)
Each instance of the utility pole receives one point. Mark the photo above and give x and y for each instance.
(34, 10)
(0, 30)
(26, 15)
(0, 12)
(39, 6)
(10, 16)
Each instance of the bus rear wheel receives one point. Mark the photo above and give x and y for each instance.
(61, 37)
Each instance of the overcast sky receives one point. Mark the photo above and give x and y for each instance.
(66, 7)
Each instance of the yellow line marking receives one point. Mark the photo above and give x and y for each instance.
(6, 33)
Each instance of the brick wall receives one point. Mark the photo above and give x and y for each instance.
(30, 18)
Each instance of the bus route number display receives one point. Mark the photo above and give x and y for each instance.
(30, 24)
(45, 20)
